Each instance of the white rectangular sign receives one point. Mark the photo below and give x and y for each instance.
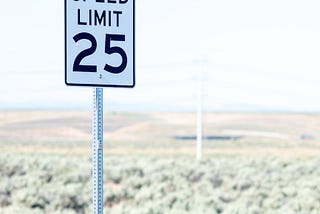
(100, 43)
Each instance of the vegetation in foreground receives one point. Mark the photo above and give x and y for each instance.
(62, 184)
(45, 164)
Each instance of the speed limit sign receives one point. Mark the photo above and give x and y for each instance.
(100, 43)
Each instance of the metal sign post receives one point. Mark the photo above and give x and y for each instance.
(99, 52)
(97, 151)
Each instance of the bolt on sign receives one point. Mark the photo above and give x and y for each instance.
(100, 43)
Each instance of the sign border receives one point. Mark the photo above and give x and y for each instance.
(99, 85)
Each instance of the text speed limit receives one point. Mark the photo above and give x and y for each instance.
(100, 43)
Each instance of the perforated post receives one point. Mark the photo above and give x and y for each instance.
(97, 151)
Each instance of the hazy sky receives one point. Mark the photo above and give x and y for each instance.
(256, 55)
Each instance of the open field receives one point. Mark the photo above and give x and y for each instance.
(148, 133)
(257, 163)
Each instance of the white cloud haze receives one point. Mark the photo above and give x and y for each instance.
(261, 55)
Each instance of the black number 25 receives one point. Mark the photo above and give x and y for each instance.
(108, 50)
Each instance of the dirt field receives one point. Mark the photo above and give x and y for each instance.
(154, 133)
